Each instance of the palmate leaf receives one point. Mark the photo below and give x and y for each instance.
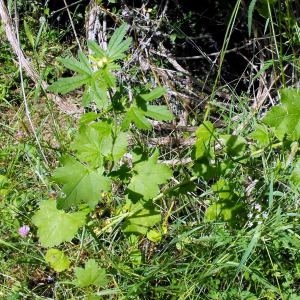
(147, 176)
(285, 118)
(140, 110)
(117, 46)
(98, 51)
(56, 226)
(204, 137)
(137, 116)
(159, 113)
(93, 142)
(80, 184)
(261, 135)
(91, 274)
(234, 145)
(57, 260)
(154, 94)
(81, 67)
(144, 216)
(66, 85)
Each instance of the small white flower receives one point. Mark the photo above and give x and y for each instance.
(257, 206)
(264, 214)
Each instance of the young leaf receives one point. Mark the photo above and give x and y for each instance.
(29, 34)
(145, 216)
(116, 46)
(120, 146)
(148, 175)
(234, 145)
(56, 226)
(154, 94)
(154, 236)
(91, 274)
(65, 85)
(57, 260)
(285, 118)
(100, 53)
(295, 175)
(159, 113)
(137, 116)
(93, 142)
(261, 135)
(204, 136)
(80, 184)
(81, 67)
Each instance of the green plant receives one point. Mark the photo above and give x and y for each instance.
(105, 163)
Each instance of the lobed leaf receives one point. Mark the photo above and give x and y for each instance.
(56, 226)
(81, 67)
(204, 137)
(92, 45)
(144, 216)
(80, 184)
(285, 118)
(57, 260)
(154, 94)
(116, 46)
(91, 274)
(147, 176)
(93, 142)
(66, 85)
(159, 113)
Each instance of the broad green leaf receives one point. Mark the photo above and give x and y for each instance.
(119, 146)
(154, 94)
(224, 189)
(159, 113)
(213, 212)
(137, 116)
(204, 137)
(56, 226)
(227, 208)
(91, 274)
(80, 183)
(136, 256)
(144, 216)
(234, 145)
(117, 46)
(98, 93)
(87, 118)
(93, 142)
(57, 260)
(260, 135)
(285, 118)
(65, 85)
(147, 176)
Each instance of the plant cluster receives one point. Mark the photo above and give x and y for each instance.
(211, 213)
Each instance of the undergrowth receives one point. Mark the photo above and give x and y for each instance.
(149, 195)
